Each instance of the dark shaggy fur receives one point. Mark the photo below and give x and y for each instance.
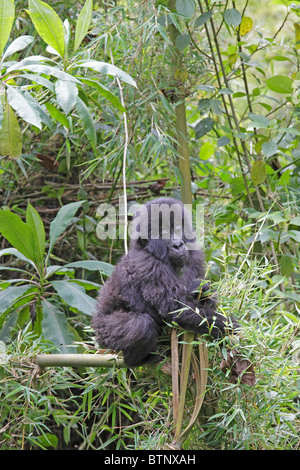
(154, 284)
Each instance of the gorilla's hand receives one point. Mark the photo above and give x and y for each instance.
(199, 288)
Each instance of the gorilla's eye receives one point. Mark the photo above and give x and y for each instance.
(165, 234)
(178, 231)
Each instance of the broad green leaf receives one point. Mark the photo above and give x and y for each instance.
(259, 121)
(10, 134)
(10, 295)
(48, 25)
(280, 84)
(203, 18)
(106, 69)
(7, 16)
(182, 41)
(269, 148)
(66, 93)
(18, 233)
(105, 92)
(87, 121)
(62, 220)
(92, 265)
(286, 265)
(185, 7)
(295, 220)
(75, 296)
(295, 235)
(83, 23)
(57, 115)
(18, 45)
(38, 80)
(15, 252)
(34, 221)
(24, 105)
(258, 172)
(203, 127)
(56, 328)
(232, 17)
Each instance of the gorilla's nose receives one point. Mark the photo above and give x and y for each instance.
(178, 244)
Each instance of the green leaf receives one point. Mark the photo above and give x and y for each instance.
(232, 17)
(10, 134)
(18, 233)
(10, 295)
(106, 69)
(286, 265)
(15, 252)
(48, 25)
(56, 328)
(87, 121)
(295, 235)
(75, 296)
(66, 93)
(206, 16)
(92, 265)
(295, 220)
(62, 220)
(269, 148)
(258, 172)
(280, 84)
(18, 45)
(182, 41)
(7, 16)
(57, 115)
(42, 69)
(24, 105)
(203, 127)
(34, 221)
(185, 7)
(105, 92)
(259, 121)
(83, 23)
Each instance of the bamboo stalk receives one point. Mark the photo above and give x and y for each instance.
(79, 360)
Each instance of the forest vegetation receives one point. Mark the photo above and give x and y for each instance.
(122, 100)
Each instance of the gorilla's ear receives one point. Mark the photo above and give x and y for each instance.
(157, 248)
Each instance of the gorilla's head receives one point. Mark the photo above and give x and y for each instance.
(163, 227)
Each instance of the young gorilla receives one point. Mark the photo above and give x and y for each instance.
(155, 284)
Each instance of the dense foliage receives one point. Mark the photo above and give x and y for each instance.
(91, 105)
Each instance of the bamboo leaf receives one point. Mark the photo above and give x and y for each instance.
(62, 220)
(10, 135)
(87, 121)
(105, 92)
(75, 296)
(48, 25)
(56, 328)
(57, 115)
(7, 16)
(83, 23)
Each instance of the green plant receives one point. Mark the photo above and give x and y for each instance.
(35, 295)
(37, 103)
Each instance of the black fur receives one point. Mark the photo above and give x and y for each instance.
(154, 284)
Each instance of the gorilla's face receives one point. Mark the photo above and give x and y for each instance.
(166, 230)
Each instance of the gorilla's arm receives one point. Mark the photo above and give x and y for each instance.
(174, 301)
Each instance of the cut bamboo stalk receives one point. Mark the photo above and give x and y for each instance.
(79, 360)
